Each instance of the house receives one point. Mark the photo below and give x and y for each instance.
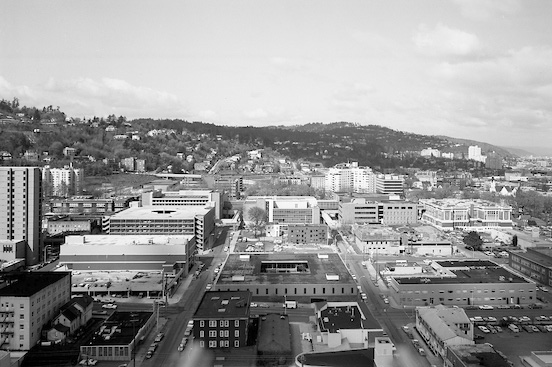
(57, 333)
(75, 313)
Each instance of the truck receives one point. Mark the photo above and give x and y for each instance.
(290, 304)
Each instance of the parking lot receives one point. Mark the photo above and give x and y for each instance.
(534, 332)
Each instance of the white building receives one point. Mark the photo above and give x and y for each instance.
(429, 152)
(474, 153)
(62, 181)
(442, 326)
(350, 177)
(21, 204)
(29, 302)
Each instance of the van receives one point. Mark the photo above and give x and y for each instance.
(290, 304)
(514, 328)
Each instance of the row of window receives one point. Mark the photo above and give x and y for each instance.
(222, 323)
(221, 344)
(222, 333)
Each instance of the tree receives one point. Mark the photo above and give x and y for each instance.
(515, 240)
(257, 216)
(473, 239)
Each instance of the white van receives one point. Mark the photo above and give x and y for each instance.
(514, 328)
(290, 304)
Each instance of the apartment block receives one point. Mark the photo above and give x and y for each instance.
(536, 263)
(28, 301)
(221, 319)
(62, 182)
(21, 208)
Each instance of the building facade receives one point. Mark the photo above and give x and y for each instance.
(221, 319)
(307, 234)
(536, 263)
(350, 177)
(477, 215)
(62, 182)
(166, 220)
(27, 303)
(185, 198)
(390, 184)
(285, 209)
(441, 327)
(21, 203)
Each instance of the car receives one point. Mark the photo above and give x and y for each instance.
(88, 362)
(478, 337)
(405, 328)
(416, 343)
(386, 301)
(159, 337)
(515, 306)
(253, 304)
(190, 324)
(363, 296)
(498, 328)
(544, 289)
(484, 329)
(149, 354)
(123, 365)
(486, 307)
(535, 306)
(535, 329)
(421, 351)
(182, 344)
(502, 306)
(489, 319)
(264, 305)
(354, 277)
(110, 306)
(209, 287)
(188, 331)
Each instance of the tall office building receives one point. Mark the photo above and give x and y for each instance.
(21, 208)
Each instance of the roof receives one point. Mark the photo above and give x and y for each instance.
(274, 335)
(162, 212)
(347, 358)
(540, 255)
(224, 304)
(334, 316)
(442, 321)
(25, 284)
(120, 328)
(62, 328)
(483, 275)
(314, 268)
(479, 355)
(84, 300)
(71, 313)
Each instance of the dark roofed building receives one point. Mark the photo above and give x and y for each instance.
(25, 284)
(476, 355)
(536, 263)
(221, 319)
(274, 340)
(118, 335)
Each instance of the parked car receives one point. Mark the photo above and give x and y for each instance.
(89, 362)
(421, 351)
(110, 306)
(159, 337)
(253, 304)
(484, 329)
(190, 324)
(486, 307)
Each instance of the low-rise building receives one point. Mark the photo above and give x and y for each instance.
(442, 326)
(465, 282)
(222, 318)
(75, 313)
(535, 262)
(480, 355)
(307, 276)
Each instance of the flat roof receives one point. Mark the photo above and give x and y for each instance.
(25, 284)
(347, 358)
(465, 263)
(486, 275)
(249, 267)
(125, 240)
(463, 203)
(120, 328)
(479, 355)
(162, 212)
(224, 304)
(541, 255)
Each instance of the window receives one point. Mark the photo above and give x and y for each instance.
(221, 343)
(221, 333)
(221, 323)
(21, 327)
(22, 317)
(212, 323)
(236, 343)
(213, 333)
(201, 344)
(226, 333)
(236, 323)
(212, 343)
(236, 333)
(202, 323)
(202, 334)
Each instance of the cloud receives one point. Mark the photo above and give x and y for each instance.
(510, 92)
(486, 9)
(87, 96)
(351, 96)
(255, 114)
(208, 115)
(443, 40)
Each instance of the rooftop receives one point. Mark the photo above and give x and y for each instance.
(224, 304)
(479, 355)
(348, 358)
(125, 240)
(25, 284)
(120, 328)
(334, 316)
(161, 212)
(542, 255)
(310, 269)
(494, 274)
(461, 203)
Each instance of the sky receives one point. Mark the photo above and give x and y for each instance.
(473, 69)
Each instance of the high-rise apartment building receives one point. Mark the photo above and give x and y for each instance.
(21, 208)
(350, 177)
(62, 182)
